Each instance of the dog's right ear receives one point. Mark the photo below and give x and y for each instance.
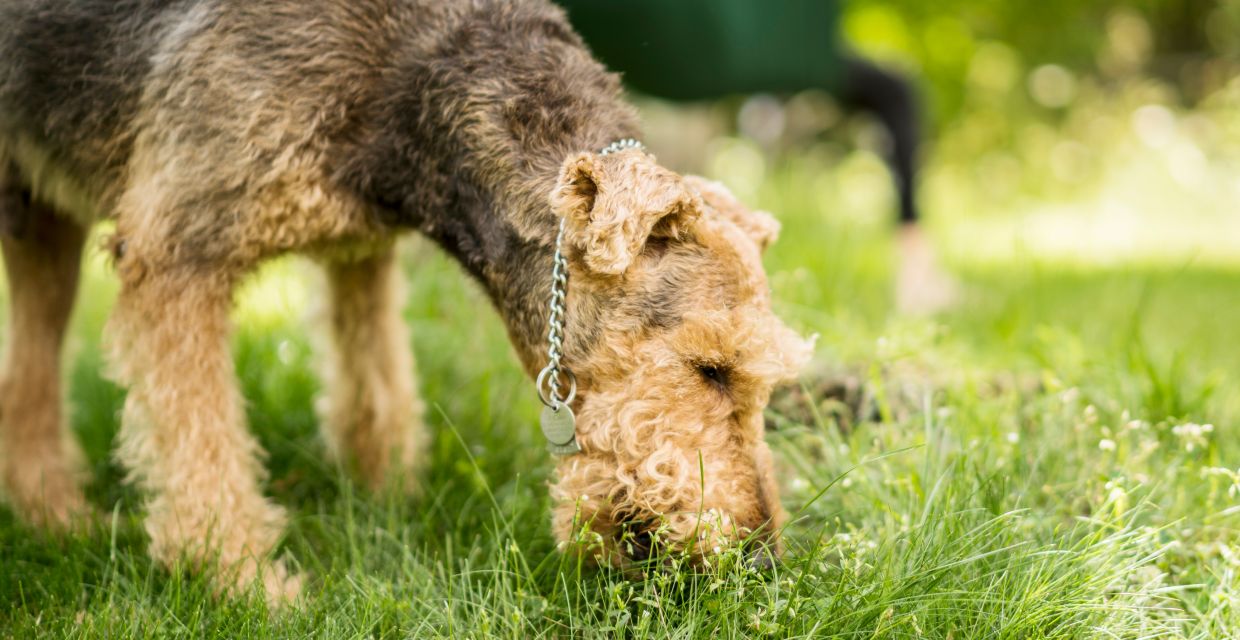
(613, 204)
(760, 226)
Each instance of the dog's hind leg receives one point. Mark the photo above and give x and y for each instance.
(372, 415)
(183, 435)
(42, 257)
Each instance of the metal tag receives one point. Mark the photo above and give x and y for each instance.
(560, 428)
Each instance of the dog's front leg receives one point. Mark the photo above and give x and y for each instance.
(183, 435)
(371, 413)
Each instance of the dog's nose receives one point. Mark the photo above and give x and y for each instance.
(762, 558)
(640, 545)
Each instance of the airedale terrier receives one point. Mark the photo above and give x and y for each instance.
(220, 133)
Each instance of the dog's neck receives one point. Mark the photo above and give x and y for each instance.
(469, 141)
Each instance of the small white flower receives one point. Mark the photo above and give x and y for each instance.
(1013, 437)
(1192, 434)
(1106, 444)
(1233, 476)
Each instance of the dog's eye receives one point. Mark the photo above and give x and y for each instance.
(713, 373)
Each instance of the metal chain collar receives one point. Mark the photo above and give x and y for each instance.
(549, 377)
(558, 423)
(621, 145)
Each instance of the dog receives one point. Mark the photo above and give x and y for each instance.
(217, 134)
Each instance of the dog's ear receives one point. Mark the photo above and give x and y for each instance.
(613, 204)
(760, 226)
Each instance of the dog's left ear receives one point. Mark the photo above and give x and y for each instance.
(760, 226)
(613, 204)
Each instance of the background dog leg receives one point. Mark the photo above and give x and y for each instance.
(183, 433)
(372, 415)
(42, 257)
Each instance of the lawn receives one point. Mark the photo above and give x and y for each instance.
(1056, 457)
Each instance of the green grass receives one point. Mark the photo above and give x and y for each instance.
(1027, 471)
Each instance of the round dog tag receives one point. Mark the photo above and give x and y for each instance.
(560, 428)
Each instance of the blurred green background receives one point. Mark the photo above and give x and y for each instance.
(1094, 132)
(960, 46)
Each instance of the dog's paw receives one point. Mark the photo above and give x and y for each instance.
(52, 502)
(278, 586)
(281, 587)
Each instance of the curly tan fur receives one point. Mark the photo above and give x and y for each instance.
(761, 227)
(220, 133)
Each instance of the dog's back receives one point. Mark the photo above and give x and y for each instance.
(248, 93)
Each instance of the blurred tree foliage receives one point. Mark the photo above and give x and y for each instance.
(957, 46)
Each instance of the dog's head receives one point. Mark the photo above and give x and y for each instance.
(681, 355)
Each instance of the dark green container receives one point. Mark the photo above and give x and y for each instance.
(696, 49)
